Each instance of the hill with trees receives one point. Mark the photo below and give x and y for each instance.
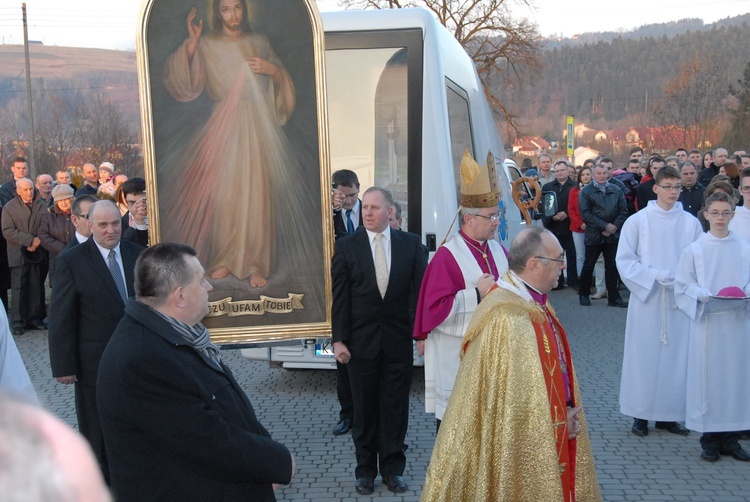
(624, 81)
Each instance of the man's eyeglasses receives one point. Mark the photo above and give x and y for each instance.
(745, 189)
(491, 217)
(558, 260)
(671, 188)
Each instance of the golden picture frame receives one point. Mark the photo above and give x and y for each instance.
(236, 158)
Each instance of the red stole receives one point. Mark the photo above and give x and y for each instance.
(553, 378)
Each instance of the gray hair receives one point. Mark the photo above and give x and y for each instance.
(472, 211)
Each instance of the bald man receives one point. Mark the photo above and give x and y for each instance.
(44, 459)
(92, 283)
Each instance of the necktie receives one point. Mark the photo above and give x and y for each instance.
(349, 224)
(381, 267)
(114, 269)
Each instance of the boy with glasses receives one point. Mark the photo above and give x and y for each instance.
(655, 355)
(711, 287)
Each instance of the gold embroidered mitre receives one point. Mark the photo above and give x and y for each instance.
(479, 184)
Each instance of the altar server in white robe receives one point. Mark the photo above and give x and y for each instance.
(654, 365)
(718, 381)
(740, 224)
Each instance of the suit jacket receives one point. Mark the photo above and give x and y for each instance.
(20, 225)
(363, 320)
(175, 426)
(339, 227)
(85, 308)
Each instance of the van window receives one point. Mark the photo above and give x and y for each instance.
(459, 121)
(372, 121)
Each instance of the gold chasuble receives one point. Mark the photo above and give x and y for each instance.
(504, 435)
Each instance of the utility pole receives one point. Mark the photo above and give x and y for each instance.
(32, 172)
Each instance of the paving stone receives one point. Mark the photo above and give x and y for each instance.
(299, 408)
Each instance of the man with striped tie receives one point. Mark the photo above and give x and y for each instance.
(92, 284)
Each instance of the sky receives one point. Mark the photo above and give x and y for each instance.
(111, 24)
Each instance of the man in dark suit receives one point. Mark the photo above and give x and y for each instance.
(79, 212)
(376, 273)
(346, 220)
(176, 423)
(559, 223)
(21, 218)
(92, 282)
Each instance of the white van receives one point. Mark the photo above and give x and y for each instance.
(404, 103)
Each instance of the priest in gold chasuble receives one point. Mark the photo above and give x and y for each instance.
(514, 428)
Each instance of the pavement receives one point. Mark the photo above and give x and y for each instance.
(299, 408)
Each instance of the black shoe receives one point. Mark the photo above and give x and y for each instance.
(342, 427)
(617, 303)
(737, 453)
(396, 484)
(36, 325)
(710, 454)
(640, 427)
(365, 485)
(673, 427)
(558, 287)
(19, 331)
(584, 300)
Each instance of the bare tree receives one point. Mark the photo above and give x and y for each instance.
(692, 109)
(737, 135)
(501, 46)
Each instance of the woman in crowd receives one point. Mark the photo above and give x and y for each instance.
(731, 170)
(56, 229)
(577, 226)
(708, 157)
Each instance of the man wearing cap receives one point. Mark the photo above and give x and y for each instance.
(90, 180)
(56, 229)
(457, 279)
(20, 225)
(106, 179)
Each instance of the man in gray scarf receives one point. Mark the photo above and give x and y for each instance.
(176, 423)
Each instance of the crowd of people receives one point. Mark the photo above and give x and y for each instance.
(124, 326)
(674, 231)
